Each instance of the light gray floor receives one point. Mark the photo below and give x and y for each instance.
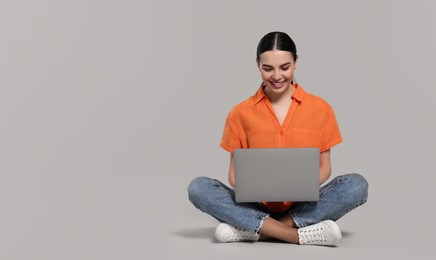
(129, 217)
(370, 231)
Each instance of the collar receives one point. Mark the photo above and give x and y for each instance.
(298, 94)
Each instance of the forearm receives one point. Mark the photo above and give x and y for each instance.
(231, 174)
(232, 180)
(325, 169)
(324, 173)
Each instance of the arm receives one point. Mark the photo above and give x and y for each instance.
(325, 169)
(231, 171)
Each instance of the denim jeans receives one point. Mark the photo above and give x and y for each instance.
(336, 198)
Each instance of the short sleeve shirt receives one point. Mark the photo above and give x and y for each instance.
(310, 122)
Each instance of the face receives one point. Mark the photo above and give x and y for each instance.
(277, 70)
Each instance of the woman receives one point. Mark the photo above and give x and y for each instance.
(280, 114)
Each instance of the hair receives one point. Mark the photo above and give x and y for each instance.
(276, 41)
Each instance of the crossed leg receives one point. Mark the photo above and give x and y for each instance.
(283, 229)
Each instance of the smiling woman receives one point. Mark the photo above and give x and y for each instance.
(280, 114)
(277, 58)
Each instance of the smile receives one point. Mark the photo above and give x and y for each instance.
(277, 84)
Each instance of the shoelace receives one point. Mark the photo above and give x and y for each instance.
(242, 234)
(313, 236)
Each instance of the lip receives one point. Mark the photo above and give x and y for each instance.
(277, 84)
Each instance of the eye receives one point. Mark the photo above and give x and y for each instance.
(285, 69)
(267, 69)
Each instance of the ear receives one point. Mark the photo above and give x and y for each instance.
(296, 61)
(258, 63)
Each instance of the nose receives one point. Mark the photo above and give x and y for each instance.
(276, 75)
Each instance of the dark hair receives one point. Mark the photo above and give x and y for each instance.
(276, 41)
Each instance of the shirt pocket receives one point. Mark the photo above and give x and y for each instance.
(306, 137)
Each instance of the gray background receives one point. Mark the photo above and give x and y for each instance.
(109, 108)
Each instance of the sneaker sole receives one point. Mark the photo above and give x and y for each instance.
(333, 226)
(219, 230)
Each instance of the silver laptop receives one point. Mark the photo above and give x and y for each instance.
(276, 174)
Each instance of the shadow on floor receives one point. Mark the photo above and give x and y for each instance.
(346, 234)
(205, 232)
(209, 232)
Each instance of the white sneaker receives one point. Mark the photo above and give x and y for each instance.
(325, 233)
(226, 233)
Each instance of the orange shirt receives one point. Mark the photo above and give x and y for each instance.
(310, 122)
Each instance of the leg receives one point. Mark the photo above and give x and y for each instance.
(288, 221)
(282, 228)
(216, 199)
(338, 197)
(273, 228)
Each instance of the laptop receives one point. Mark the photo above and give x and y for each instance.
(276, 174)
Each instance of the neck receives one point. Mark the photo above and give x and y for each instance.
(279, 98)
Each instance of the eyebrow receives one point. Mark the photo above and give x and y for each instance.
(269, 66)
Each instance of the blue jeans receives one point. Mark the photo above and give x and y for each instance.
(336, 198)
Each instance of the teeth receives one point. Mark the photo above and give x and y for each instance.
(278, 84)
